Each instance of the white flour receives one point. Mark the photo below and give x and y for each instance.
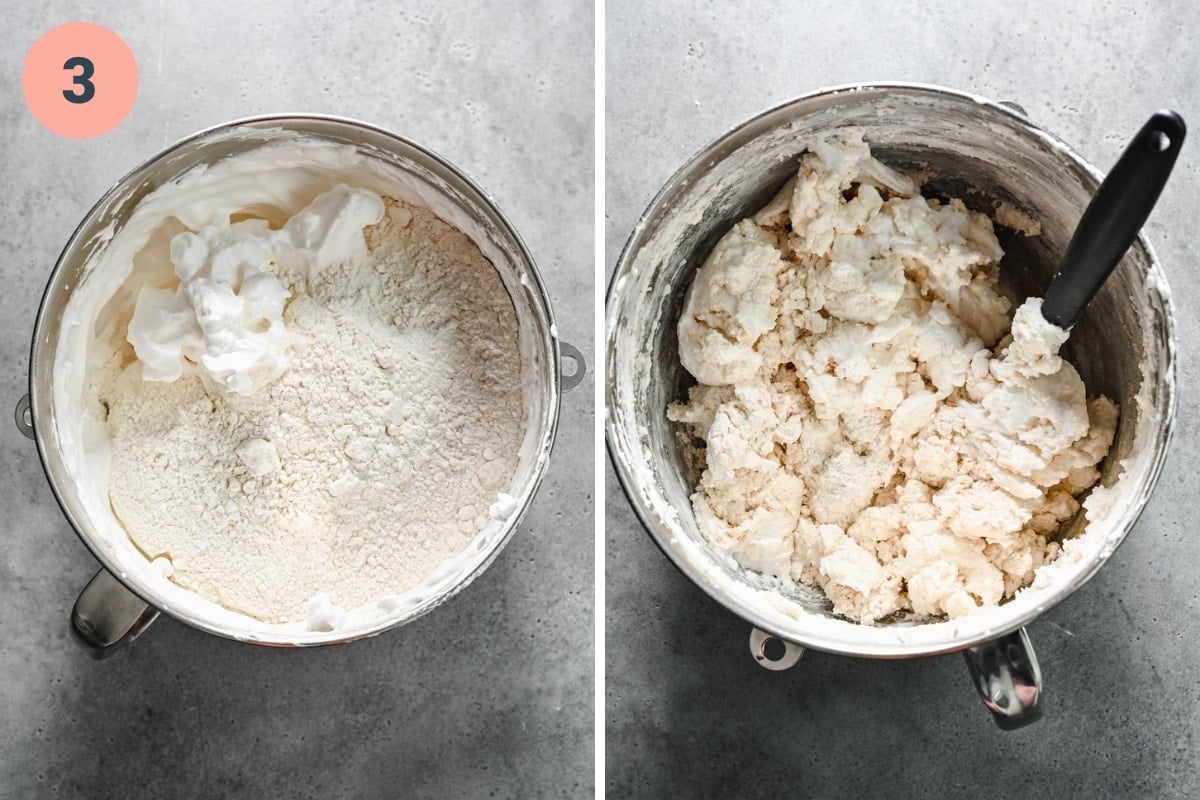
(372, 459)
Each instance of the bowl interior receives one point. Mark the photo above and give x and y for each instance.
(68, 317)
(964, 148)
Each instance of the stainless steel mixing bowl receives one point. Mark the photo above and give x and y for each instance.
(971, 148)
(125, 596)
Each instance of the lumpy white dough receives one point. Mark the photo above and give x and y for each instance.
(873, 423)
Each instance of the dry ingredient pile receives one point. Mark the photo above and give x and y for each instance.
(311, 419)
(874, 423)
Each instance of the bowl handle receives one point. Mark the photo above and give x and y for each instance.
(784, 656)
(23, 416)
(572, 353)
(1008, 679)
(107, 614)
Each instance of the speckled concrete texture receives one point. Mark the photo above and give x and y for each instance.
(490, 695)
(689, 714)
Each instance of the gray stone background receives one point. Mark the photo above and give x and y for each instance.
(490, 695)
(688, 712)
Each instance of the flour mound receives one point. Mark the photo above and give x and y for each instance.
(372, 459)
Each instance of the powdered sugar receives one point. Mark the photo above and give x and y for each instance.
(370, 461)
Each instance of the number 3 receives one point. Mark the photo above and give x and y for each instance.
(87, 89)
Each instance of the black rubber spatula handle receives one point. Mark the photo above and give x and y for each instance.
(1113, 218)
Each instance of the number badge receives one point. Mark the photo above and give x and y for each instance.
(80, 80)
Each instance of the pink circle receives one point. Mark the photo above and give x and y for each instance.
(79, 80)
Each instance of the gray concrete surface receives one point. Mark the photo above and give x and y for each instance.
(688, 713)
(489, 696)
